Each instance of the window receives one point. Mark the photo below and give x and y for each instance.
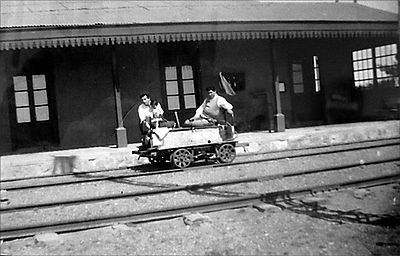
(31, 101)
(179, 85)
(376, 66)
(386, 65)
(317, 78)
(297, 73)
(363, 68)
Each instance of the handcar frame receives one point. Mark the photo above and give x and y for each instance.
(183, 146)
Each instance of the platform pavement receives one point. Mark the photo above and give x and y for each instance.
(103, 158)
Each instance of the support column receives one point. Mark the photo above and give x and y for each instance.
(279, 116)
(120, 131)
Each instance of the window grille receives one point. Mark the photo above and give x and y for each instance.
(376, 66)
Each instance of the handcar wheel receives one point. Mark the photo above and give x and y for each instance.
(226, 153)
(181, 158)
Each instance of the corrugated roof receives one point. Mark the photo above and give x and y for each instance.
(86, 13)
(76, 23)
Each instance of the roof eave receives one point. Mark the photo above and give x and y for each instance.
(102, 25)
(153, 33)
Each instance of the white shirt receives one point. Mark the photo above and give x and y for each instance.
(158, 112)
(145, 111)
(221, 103)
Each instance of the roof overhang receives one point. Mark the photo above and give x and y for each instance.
(52, 37)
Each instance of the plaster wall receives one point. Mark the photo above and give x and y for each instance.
(336, 65)
(253, 105)
(336, 72)
(138, 73)
(86, 79)
(85, 96)
(309, 110)
(336, 68)
(5, 83)
(377, 101)
(85, 103)
(12, 63)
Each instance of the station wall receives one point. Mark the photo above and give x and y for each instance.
(253, 106)
(5, 136)
(84, 90)
(139, 72)
(84, 95)
(87, 105)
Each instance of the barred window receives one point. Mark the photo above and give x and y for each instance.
(317, 78)
(297, 74)
(179, 83)
(376, 66)
(31, 102)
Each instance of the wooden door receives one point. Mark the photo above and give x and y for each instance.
(179, 76)
(307, 97)
(32, 107)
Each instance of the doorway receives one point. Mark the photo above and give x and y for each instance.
(307, 96)
(33, 115)
(180, 79)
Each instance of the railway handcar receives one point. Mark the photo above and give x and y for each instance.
(183, 146)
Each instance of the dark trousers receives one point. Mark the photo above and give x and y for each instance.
(145, 130)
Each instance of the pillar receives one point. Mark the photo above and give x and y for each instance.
(279, 116)
(120, 131)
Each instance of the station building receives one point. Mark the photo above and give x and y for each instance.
(71, 72)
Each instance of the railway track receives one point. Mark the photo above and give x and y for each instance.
(193, 187)
(170, 212)
(110, 175)
(242, 199)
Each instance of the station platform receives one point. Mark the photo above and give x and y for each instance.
(105, 158)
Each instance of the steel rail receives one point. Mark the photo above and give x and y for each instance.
(82, 178)
(171, 212)
(334, 145)
(177, 188)
(79, 180)
(245, 154)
